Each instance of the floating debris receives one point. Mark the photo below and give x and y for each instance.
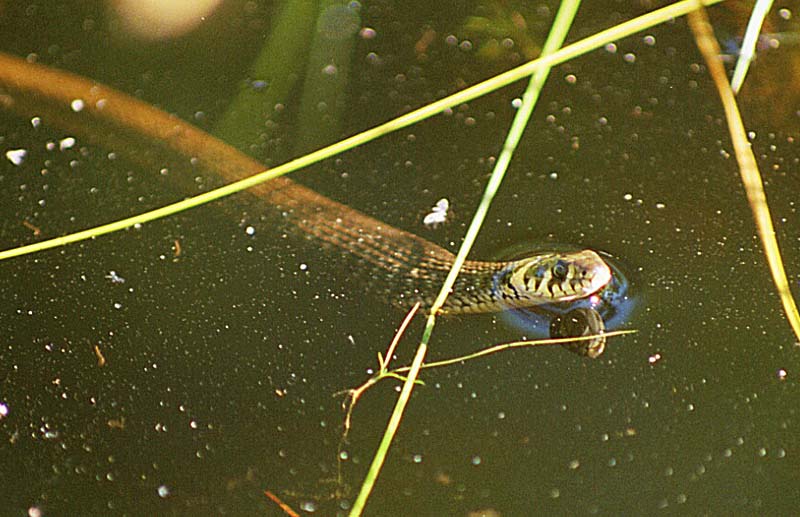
(115, 278)
(66, 143)
(101, 360)
(438, 214)
(16, 156)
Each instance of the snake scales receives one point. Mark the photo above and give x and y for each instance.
(118, 121)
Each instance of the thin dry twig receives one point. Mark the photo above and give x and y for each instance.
(283, 506)
(383, 364)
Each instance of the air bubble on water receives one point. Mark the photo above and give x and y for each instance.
(66, 143)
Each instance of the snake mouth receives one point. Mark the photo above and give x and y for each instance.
(585, 274)
(600, 271)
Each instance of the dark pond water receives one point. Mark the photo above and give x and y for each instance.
(222, 361)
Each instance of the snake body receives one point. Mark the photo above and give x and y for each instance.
(116, 120)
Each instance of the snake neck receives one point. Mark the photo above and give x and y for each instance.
(409, 268)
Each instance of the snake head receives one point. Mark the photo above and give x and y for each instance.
(557, 277)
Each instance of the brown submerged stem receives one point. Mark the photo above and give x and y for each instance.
(149, 136)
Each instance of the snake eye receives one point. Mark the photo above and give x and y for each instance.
(560, 270)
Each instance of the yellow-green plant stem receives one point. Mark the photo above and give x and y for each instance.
(569, 52)
(555, 39)
(748, 168)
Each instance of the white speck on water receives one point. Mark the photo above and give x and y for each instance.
(66, 143)
(114, 277)
(3, 410)
(516, 103)
(77, 105)
(627, 197)
(438, 214)
(782, 374)
(308, 506)
(250, 230)
(163, 491)
(36, 122)
(476, 460)
(303, 267)
(117, 305)
(16, 156)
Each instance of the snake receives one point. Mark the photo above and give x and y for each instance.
(410, 263)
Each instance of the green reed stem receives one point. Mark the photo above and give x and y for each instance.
(558, 32)
(565, 54)
(748, 50)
